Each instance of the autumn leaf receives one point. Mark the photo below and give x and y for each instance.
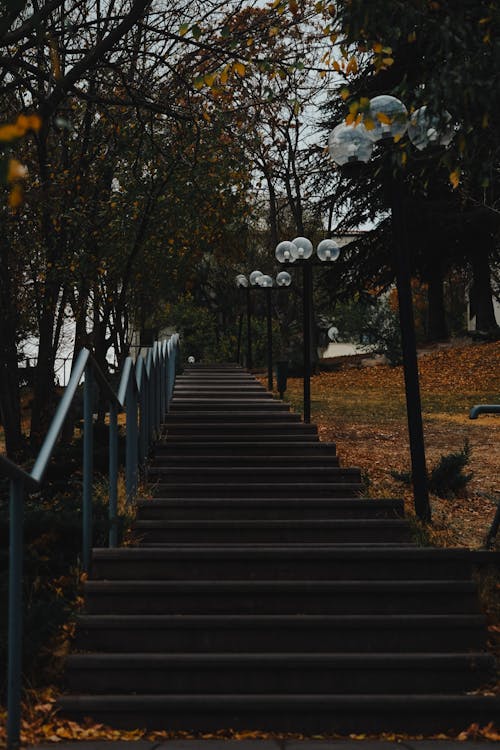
(240, 68)
(454, 178)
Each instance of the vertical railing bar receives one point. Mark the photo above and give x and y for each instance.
(88, 417)
(165, 379)
(129, 449)
(167, 376)
(113, 475)
(15, 645)
(157, 393)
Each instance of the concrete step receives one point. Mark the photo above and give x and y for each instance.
(242, 461)
(281, 597)
(281, 633)
(246, 447)
(311, 714)
(285, 673)
(260, 416)
(252, 475)
(267, 508)
(320, 531)
(261, 429)
(257, 489)
(179, 405)
(245, 435)
(283, 563)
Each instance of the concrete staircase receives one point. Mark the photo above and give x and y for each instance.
(263, 592)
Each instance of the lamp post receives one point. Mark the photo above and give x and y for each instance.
(243, 283)
(349, 146)
(301, 251)
(283, 279)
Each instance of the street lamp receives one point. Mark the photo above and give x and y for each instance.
(349, 145)
(301, 251)
(243, 283)
(259, 280)
(283, 279)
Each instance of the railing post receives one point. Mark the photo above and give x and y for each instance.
(158, 390)
(168, 356)
(113, 474)
(15, 644)
(131, 441)
(88, 445)
(163, 379)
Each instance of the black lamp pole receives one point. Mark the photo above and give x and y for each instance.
(409, 347)
(249, 330)
(307, 317)
(269, 339)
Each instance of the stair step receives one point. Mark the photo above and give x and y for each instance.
(278, 633)
(213, 428)
(278, 673)
(319, 531)
(283, 438)
(244, 447)
(244, 508)
(281, 597)
(252, 475)
(192, 404)
(256, 489)
(269, 563)
(226, 394)
(311, 714)
(243, 461)
(228, 416)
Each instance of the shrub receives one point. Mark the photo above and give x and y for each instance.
(447, 479)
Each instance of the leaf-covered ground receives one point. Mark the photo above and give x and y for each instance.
(363, 411)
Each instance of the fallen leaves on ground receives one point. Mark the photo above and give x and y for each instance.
(363, 412)
(42, 724)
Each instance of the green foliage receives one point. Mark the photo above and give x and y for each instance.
(447, 479)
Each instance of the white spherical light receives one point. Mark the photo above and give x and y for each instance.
(328, 250)
(387, 118)
(283, 252)
(283, 278)
(426, 129)
(302, 248)
(254, 277)
(349, 144)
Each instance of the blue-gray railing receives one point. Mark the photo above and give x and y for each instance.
(144, 393)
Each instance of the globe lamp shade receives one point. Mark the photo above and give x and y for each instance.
(265, 281)
(241, 280)
(283, 252)
(387, 118)
(328, 250)
(302, 248)
(283, 278)
(349, 143)
(426, 129)
(254, 277)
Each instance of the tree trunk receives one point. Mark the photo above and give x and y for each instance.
(10, 406)
(481, 297)
(437, 329)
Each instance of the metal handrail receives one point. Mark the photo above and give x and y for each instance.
(144, 394)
